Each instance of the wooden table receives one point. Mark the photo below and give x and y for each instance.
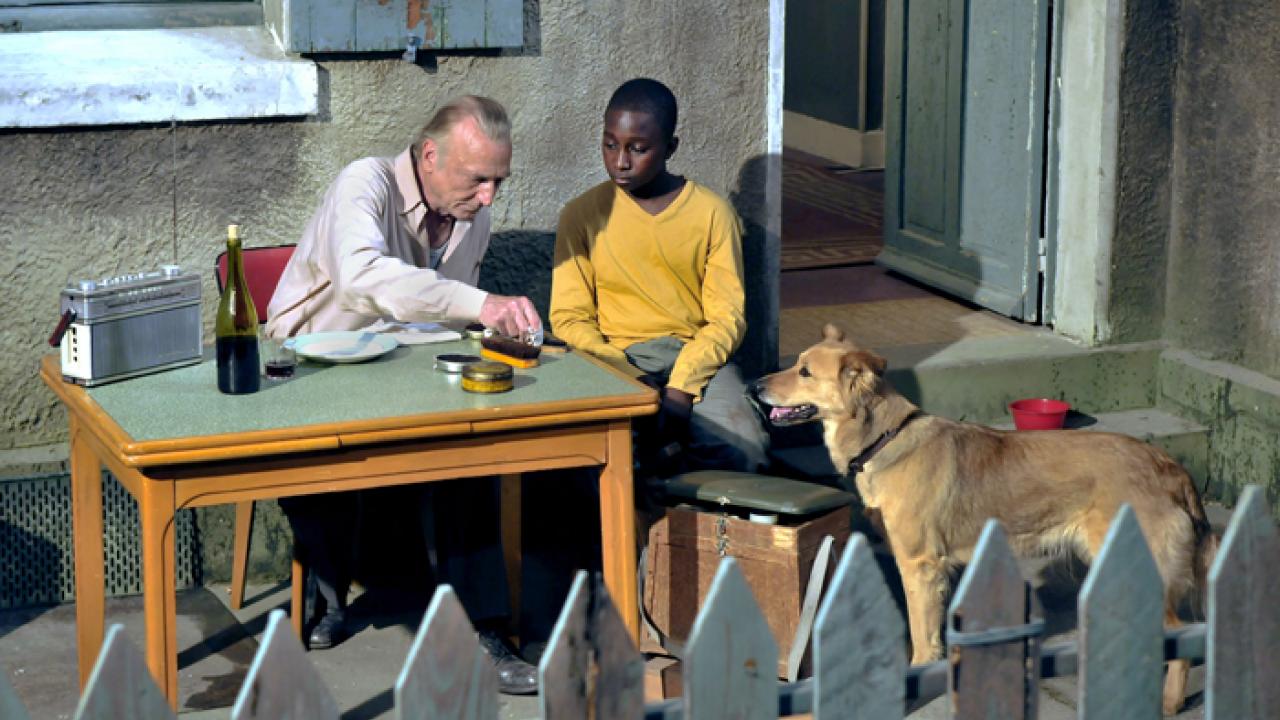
(175, 442)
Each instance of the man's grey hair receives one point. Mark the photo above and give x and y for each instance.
(489, 115)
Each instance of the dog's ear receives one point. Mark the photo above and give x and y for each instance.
(858, 360)
(832, 333)
(860, 375)
(874, 361)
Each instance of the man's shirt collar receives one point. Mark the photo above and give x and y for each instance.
(411, 198)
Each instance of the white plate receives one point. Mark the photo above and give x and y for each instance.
(343, 346)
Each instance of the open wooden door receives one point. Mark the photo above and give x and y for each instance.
(964, 143)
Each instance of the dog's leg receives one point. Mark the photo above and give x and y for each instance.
(876, 520)
(1175, 679)
(925, 581)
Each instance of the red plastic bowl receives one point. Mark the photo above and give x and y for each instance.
(1038, 413)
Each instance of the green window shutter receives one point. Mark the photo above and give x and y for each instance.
(382, 25)
(45, 15)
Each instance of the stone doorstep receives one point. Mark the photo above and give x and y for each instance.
(975, 378)
(1185, 440)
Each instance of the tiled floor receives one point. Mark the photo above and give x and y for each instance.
(831, 215)
(876, 309)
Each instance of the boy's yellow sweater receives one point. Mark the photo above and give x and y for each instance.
(623, 276)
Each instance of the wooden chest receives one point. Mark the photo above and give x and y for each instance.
(685, 548)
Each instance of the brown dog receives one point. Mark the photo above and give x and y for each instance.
(933, 482)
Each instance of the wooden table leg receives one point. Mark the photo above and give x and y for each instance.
(509, 512)
(156, 510)
(297, 600)
(240, 552)
(618, 526)
(86, 529)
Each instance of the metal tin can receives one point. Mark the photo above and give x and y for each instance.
(487, 377)
(474, 331)
(454, 362)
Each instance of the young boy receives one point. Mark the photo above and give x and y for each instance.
(648, 272)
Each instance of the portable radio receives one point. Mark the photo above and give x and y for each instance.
(129, 325)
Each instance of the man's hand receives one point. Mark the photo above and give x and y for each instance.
(509, 315)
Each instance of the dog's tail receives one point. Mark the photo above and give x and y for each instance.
(1206, 547)
(1206, 551)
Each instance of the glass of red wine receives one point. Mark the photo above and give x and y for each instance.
(278, 358)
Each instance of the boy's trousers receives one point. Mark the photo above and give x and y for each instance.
(725, 431)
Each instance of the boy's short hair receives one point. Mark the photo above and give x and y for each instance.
(489, 115)
(647, 96)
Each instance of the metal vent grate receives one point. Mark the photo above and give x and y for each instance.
(36, 558)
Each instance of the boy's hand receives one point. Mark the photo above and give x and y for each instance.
(673, 417)
(677, 402)
(664, 435)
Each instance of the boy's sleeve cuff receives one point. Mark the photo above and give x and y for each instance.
(609, 354)
(685, 385)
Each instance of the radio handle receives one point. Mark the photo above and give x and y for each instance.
(68, 317)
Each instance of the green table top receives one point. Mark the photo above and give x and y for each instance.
(185, 402)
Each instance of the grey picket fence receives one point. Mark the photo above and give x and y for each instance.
(592, 669)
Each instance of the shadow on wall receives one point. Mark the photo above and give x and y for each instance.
(31, 568)
(519, 263)
(760, 261)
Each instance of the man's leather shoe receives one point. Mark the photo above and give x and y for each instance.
(331, 630)
(515, 676)
(533, 652)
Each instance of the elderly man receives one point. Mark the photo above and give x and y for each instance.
(401, 239)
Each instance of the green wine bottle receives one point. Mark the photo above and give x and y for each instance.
(236, 327)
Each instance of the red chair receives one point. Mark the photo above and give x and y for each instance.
(263, 267)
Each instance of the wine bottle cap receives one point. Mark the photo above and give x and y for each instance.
(233, 231)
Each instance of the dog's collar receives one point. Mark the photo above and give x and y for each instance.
(857, 464)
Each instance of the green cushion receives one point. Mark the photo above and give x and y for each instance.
(756, 492)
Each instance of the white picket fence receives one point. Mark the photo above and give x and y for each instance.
(592, 669)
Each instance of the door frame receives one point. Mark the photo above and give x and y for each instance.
(1080, 184)
(1084, 181)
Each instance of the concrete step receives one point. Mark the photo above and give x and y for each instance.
(976, 379)
(1187, 441)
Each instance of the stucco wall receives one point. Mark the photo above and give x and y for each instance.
(101, 201)
(1139, 250)
(1224, 270)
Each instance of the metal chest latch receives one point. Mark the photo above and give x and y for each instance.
(722, 535)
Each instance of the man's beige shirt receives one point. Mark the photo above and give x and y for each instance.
(364, 258)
